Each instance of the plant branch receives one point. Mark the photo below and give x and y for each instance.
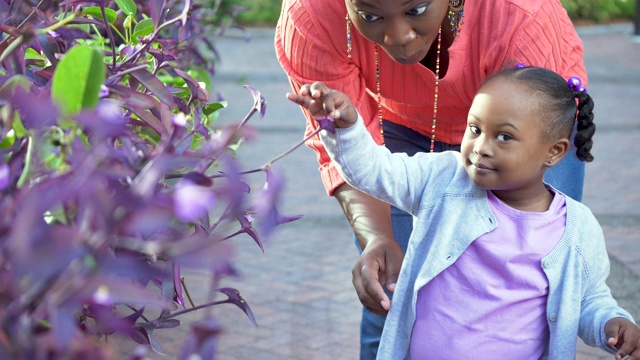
(110, 34)
(186, 311)
(27, 162)
(128, 71)
(270, 162)
(23, 23)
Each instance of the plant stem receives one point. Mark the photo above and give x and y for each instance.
(25, 21)
(178, 313)
(110, 34)
(270, 162)
(27, 162)
(186, 291)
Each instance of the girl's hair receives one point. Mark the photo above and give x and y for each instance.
(554, 96)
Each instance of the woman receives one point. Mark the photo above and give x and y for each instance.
(411, 68)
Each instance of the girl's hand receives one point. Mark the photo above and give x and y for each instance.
(323, 102)
(625, 336)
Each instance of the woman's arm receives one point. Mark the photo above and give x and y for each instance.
(381, 257)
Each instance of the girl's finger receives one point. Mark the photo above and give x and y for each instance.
(318, 89)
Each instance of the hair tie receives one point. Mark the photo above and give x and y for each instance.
(575, 84)
(520, 65)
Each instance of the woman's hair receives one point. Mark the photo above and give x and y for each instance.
(553, 94)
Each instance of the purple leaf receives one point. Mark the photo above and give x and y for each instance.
(265, 207)
(156, 12)
(35, 117)
(259, 102)
(147, 332)
(154, 85)
(235, 298)
(246, 221)
(179, 296)
(150, 120)
(132, 97)
(193, 84)
(202, 340)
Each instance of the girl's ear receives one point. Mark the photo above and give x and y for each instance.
(557, 152)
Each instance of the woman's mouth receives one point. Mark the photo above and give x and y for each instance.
(406, 60)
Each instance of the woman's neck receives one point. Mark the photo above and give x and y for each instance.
(430, 60)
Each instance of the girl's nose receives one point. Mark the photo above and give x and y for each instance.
(482, 146)
(398, 33)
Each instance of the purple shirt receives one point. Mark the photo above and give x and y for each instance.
(492, 301)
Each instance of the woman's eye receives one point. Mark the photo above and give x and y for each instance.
(368, 17)
(474, 129)
(419, 10)
(504, 137)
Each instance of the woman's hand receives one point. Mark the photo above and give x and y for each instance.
(378, 266)
(323, 102)
(625, 336)
(381, 259)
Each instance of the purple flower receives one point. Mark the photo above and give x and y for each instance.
(327, 124)
(4, 176)
(104, 91)
(179, 119)
(190, 201)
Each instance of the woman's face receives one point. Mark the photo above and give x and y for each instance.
(405, 29)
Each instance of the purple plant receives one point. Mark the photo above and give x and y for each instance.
(113, 176)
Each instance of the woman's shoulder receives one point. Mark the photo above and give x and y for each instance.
(328, 14)
(505, 7)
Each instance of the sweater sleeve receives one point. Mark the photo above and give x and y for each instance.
(409, 183)
(311, 46)
(598, 305)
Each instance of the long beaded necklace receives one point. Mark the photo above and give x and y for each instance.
(435, 92)
(455, 17)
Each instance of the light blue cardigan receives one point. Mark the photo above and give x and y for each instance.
(449, 212)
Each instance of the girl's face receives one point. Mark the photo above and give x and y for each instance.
(504, 148)
(404, 29)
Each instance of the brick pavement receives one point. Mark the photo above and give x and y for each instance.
(300, 288)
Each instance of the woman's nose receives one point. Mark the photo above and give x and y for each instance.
(398, 33)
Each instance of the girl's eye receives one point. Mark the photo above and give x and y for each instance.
(368, 17)
(419, 10)
(504, 137)
(474, 129)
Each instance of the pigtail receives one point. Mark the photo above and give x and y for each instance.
(586, 127)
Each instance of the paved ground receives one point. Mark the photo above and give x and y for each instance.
(300, 288)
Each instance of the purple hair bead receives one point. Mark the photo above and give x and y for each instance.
(575, 83)
(520, 65)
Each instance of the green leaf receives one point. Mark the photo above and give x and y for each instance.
(18, 127)
(94, 11)
(77, 79)
(8, 140)
(213, 107)
(128, 7)
(143, 28)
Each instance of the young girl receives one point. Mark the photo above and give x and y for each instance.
(499, 264)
